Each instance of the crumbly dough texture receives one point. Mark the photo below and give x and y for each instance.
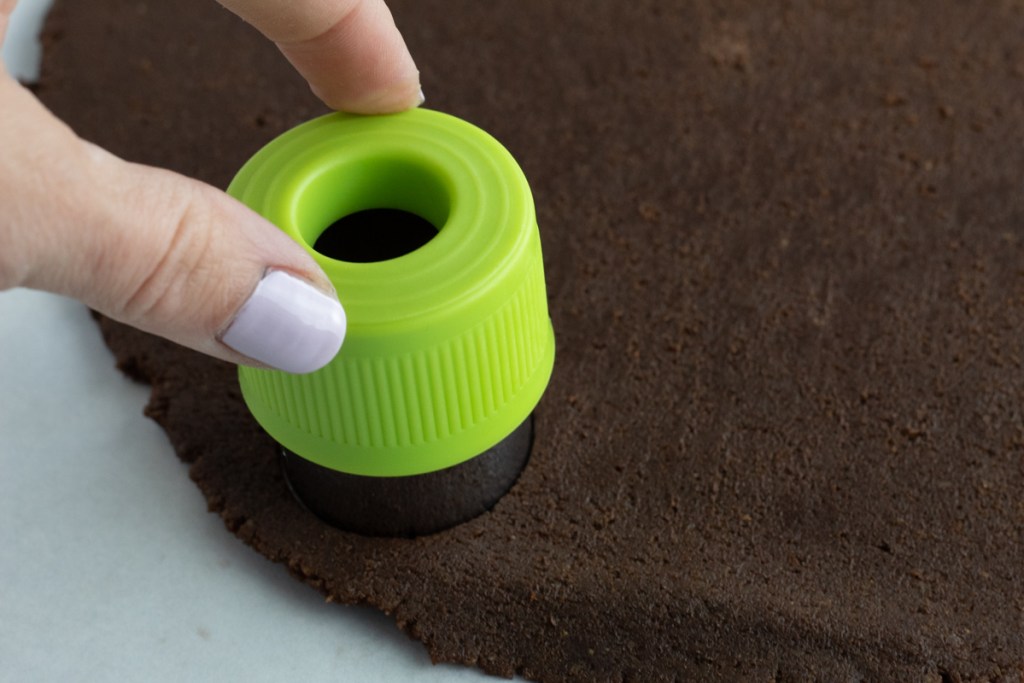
(785, 252)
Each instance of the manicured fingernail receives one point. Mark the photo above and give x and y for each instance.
(288, 324)
(423, 98)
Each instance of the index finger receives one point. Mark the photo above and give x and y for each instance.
(350, 51)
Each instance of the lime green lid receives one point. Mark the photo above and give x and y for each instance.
(449, 347)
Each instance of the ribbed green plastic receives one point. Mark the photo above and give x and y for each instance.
(450, 347)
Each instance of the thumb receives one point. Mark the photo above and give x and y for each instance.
(156, 250)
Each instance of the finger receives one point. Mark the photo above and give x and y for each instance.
(153, 249)
(350, 51)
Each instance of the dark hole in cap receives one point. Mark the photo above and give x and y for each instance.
(374, 235)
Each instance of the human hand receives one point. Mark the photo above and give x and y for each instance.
(171, 255)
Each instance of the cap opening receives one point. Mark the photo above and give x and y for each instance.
(372, 209)
(374, 235)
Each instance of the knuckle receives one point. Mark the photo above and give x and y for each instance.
(174, 264)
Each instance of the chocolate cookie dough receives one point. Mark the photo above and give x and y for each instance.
(784, 438)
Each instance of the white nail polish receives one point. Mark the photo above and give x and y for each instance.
(288, 324)
(423, 98)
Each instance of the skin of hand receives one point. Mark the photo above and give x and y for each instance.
(171, 255)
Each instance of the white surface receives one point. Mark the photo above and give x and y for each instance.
(110, 567)
(21, 51)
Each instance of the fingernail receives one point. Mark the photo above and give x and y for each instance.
(288, 324)
(423, 98)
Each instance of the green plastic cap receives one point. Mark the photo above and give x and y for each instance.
(449, 347)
